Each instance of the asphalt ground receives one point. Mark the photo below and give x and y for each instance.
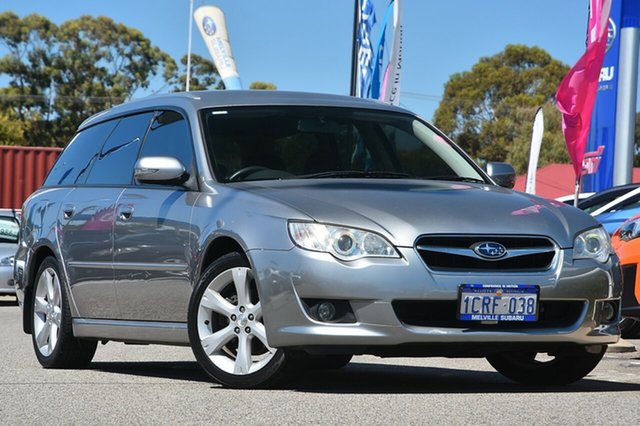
(163, 385)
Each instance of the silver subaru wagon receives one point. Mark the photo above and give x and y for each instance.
(276, 231)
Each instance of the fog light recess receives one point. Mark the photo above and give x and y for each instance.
(608, 311)
(326, 311)
(329, 310)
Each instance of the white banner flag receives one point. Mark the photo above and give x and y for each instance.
(391, 85)
(211, 23)
(534, 153)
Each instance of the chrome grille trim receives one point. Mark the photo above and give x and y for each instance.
(470, 253)
(452, 253)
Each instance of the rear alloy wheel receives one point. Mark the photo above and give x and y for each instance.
(226, 331)
(51, 328)
(532, 368)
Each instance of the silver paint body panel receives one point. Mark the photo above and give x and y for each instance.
(130, 279)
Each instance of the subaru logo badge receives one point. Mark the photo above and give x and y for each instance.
(489, 250)
(208, 25)
(612, 32)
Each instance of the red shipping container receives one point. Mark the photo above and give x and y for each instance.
(22, 171)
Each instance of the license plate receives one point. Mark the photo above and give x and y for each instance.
(482, 302)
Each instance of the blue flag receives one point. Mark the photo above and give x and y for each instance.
(597, 164)
(366, 20)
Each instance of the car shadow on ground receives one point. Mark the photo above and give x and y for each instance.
(384, 378)
(175, 370)
(375, 379)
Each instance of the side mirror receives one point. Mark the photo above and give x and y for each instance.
(159, 170)
(502, 173)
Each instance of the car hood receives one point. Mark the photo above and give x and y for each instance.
(404, 209)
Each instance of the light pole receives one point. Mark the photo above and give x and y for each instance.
(189, 48)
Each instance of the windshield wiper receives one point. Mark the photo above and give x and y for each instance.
(354, 174)
(456, 178)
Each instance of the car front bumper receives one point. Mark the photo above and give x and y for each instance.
(374, 287)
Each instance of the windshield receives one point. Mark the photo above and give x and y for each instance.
(8, 230)
(262, 143)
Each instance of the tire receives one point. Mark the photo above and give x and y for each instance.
(563, 368)
(226, 331)
(52, 332)
(630, 328)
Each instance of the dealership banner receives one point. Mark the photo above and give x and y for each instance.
(366, 21)
(576, 94)
(213, 28)
(534, 151)
(597, 165)
(391, 82)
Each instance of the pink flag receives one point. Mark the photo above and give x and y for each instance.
(577, 91)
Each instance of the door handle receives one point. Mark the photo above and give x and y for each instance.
(67, 210)
(125, 212)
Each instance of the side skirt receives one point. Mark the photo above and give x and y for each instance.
(166, 333)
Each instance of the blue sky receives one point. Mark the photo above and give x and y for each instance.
(305, 45)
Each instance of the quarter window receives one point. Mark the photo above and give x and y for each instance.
(114, 165)
(76, 160)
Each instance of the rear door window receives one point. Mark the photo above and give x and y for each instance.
(115, 162)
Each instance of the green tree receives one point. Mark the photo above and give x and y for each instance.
(553, 148)
(28, 64)
(59, 76)
(100, 63)
(262, 85)
(11, 130)
(488, 111)
(204, 75)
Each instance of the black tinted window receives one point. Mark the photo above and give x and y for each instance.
(307, 142)
(118, 155)
(77, 158)
(169, 137)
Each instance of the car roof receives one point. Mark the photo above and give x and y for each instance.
(607, 195)
(231, 98)
(617, 203)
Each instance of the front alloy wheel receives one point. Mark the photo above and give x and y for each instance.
(226, 330)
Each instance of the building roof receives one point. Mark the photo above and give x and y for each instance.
(557, 180)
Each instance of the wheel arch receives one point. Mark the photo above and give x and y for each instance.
(217, 248)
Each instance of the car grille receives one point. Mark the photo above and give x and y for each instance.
(455, 253)
(443, 314)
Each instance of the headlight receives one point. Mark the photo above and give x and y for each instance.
(592, 244)
(343, 243)
(629, 230)
(6, 261)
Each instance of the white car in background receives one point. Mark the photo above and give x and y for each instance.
(8, 246)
